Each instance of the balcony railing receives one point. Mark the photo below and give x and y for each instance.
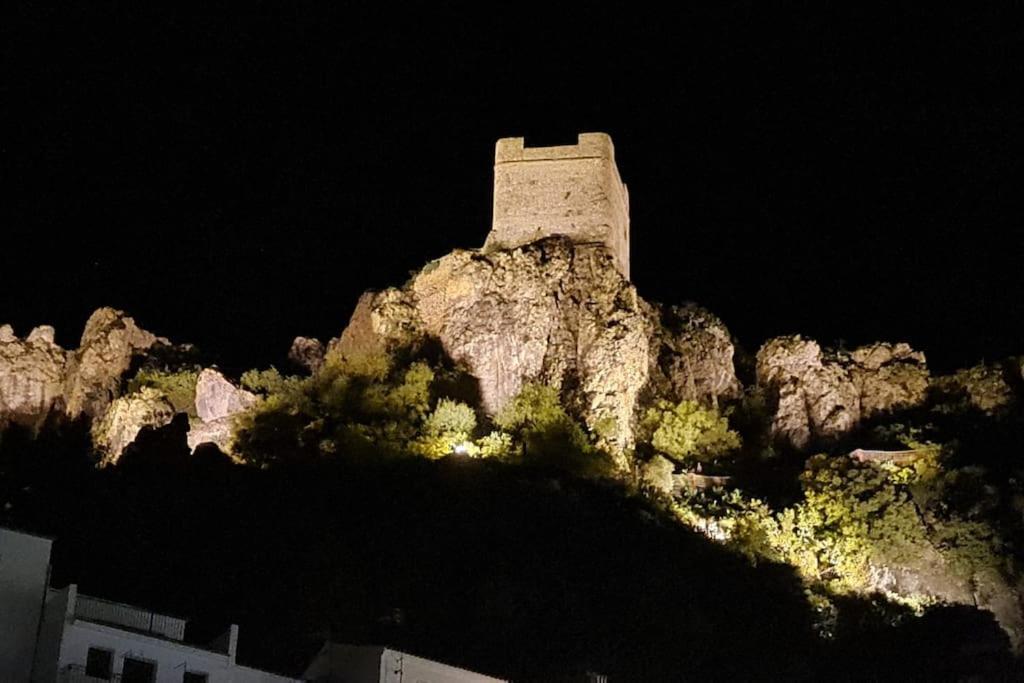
(118, 614)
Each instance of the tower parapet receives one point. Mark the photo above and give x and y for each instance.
(572, 190)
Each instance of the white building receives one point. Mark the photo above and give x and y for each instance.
(50, 635)
(336, 663)
(24, 575)
(87, 640)
(60, 636)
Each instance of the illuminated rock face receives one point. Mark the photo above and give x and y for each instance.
(217, 398)
(571, 190)
(110, 341)
(31, 376)
(555, 312)
(38, 377)
(824, 395)
(125, 417)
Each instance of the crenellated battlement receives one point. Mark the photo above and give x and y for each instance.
(572, 190)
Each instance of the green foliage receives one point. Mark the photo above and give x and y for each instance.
(179, 386)
(449, 428)
(269, 382)
(450, 417)
(656, 475)
(377, 407)
(537, 419)
(497, 445)
(855, 517)
(537, 406)
(688, 432)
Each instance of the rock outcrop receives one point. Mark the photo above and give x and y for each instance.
(928, 575)
(984, 387)
(307, 353)
(125, 417)
(552, 312)
(31, 376)
(218, 401)
(217, 398)
(695, 355)
(110, 342)
(824, 395)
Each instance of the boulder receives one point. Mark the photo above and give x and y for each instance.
(552, 312)
(110, 342)
(217, 398)
(307, 353)
(823, 395)
(218, 402)
(31, 376)
(219, 432)
(125, 417)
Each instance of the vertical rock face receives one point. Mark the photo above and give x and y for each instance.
(125, 417)
(31, 376)
(218, 398)
(218, 401)
(109, 343)
(695, 356)
(553, 312)
(826, 395)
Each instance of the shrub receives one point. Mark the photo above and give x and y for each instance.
(179, 386)
(688, 432)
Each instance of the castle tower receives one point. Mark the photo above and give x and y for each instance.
(572, 190)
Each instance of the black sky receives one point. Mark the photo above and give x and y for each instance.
(236, 180)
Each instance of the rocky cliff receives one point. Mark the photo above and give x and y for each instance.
(557, 313)
(822, 395)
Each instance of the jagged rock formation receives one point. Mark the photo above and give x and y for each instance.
(39, 379)
(307, 353)
(552, 312)
(110, 342)
(983, 386)
(217, 398)
(695, 357)
(218, 401)
(125, 417)
(824, 395)
(31, 376)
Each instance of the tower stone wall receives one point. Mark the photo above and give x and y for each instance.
(572, 190)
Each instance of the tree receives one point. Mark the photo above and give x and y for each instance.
(688, 432)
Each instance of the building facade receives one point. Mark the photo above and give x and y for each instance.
(572, 190)
(338, 663)
(61, 636)
(24, 575)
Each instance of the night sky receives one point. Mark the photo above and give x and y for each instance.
(235, 181)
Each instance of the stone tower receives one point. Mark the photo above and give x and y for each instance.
(571, 190)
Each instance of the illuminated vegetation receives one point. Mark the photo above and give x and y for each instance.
(179, 386)
(687, 432)
(377, 407)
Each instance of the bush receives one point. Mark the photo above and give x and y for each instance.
(688, 432)
(178, 386)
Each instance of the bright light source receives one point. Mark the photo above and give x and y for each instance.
(461, 448)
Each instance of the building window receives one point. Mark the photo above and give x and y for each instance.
(138, 671)
(99, 663)
(194, 677)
